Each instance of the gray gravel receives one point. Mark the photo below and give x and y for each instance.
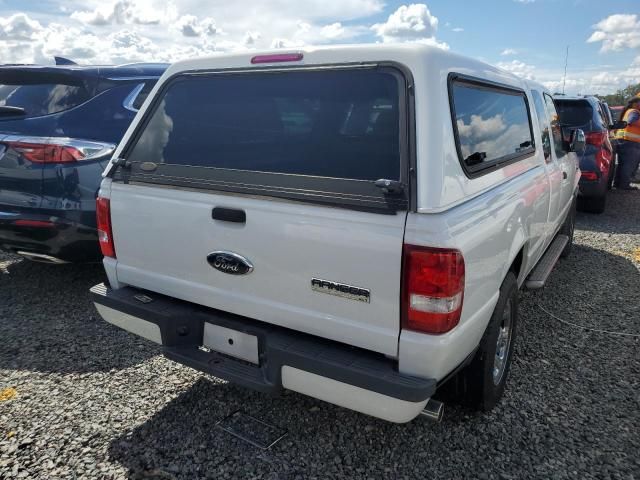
(95, 402)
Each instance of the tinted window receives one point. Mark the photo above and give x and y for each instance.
(42, 98)
(556, 126)
(341, 124)
(578, 113)
(492, 125)
(543, 121)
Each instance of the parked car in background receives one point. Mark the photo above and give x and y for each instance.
(59, 126)
(278, 221)
(597, 162)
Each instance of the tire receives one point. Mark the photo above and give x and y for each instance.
(593, 204)
(568, 229)
(482, 387)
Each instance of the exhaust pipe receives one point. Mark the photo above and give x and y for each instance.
(40, 257)
(433, 410)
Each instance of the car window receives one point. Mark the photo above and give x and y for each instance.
(579, 113)
(142, 95)
(543, 120)
(556, 125)
(42, 98)
(338, 123)
(492, 125)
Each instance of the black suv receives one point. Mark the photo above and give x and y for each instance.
(58, 128)
(597, 162)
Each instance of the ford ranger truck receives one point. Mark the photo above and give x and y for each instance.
(350, 223)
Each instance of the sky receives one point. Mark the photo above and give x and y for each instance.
(527, 37)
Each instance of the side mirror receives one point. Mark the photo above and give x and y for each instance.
(578, 141)
(618, 125)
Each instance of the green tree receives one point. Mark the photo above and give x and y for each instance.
(621, 96)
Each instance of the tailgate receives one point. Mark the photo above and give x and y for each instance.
(255, 193)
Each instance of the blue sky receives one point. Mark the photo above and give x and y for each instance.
(528, 37)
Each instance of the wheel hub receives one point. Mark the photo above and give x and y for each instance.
(503, 344)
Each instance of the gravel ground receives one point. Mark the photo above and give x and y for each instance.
(92, 401)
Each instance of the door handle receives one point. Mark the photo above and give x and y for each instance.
(224, 214)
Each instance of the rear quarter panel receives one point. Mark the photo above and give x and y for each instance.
(490, 230)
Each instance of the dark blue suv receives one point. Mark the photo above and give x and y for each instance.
(597, 162)
(59, 126)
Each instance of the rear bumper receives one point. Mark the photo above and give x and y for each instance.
(593, 188)
(69, 235)
(347, 376)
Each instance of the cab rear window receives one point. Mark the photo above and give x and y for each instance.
(342, 123)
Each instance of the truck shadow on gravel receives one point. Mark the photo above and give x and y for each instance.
(553, 362)
(182, 441)
(50, 325)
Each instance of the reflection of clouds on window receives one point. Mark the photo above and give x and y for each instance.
(491, 124)
(492, 136)
(6, 91)
(61, 97)
(42, 98)
(150, 146)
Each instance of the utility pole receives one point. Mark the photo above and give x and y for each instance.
(566, 61)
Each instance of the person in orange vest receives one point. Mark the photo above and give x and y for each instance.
(628, 145)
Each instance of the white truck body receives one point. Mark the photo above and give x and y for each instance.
(500, 220)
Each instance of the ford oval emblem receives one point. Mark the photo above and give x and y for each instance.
(229, 262)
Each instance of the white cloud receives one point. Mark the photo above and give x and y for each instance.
(524, 1)
(457, 29)
(412, 22)
(508, 51)
(617, 32)
(19, 27)
(93, 31)
(188, 25)
(250, 38)
(192, 26)
(518, 68)
(334, 30)
(122, 12)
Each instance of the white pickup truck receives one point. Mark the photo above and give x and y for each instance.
(351, 223)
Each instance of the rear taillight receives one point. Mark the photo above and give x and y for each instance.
(105, 235)
(596, 138)
(590, 176)
(43, 150)
(433, 289)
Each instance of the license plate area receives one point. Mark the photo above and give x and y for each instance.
(231, 342)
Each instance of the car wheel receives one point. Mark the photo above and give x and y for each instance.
(481, 384)
(568, 229)
(593, 204)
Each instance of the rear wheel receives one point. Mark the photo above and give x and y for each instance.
(593, 204)
(481, 384)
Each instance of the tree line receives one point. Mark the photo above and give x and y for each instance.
(621, 96)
